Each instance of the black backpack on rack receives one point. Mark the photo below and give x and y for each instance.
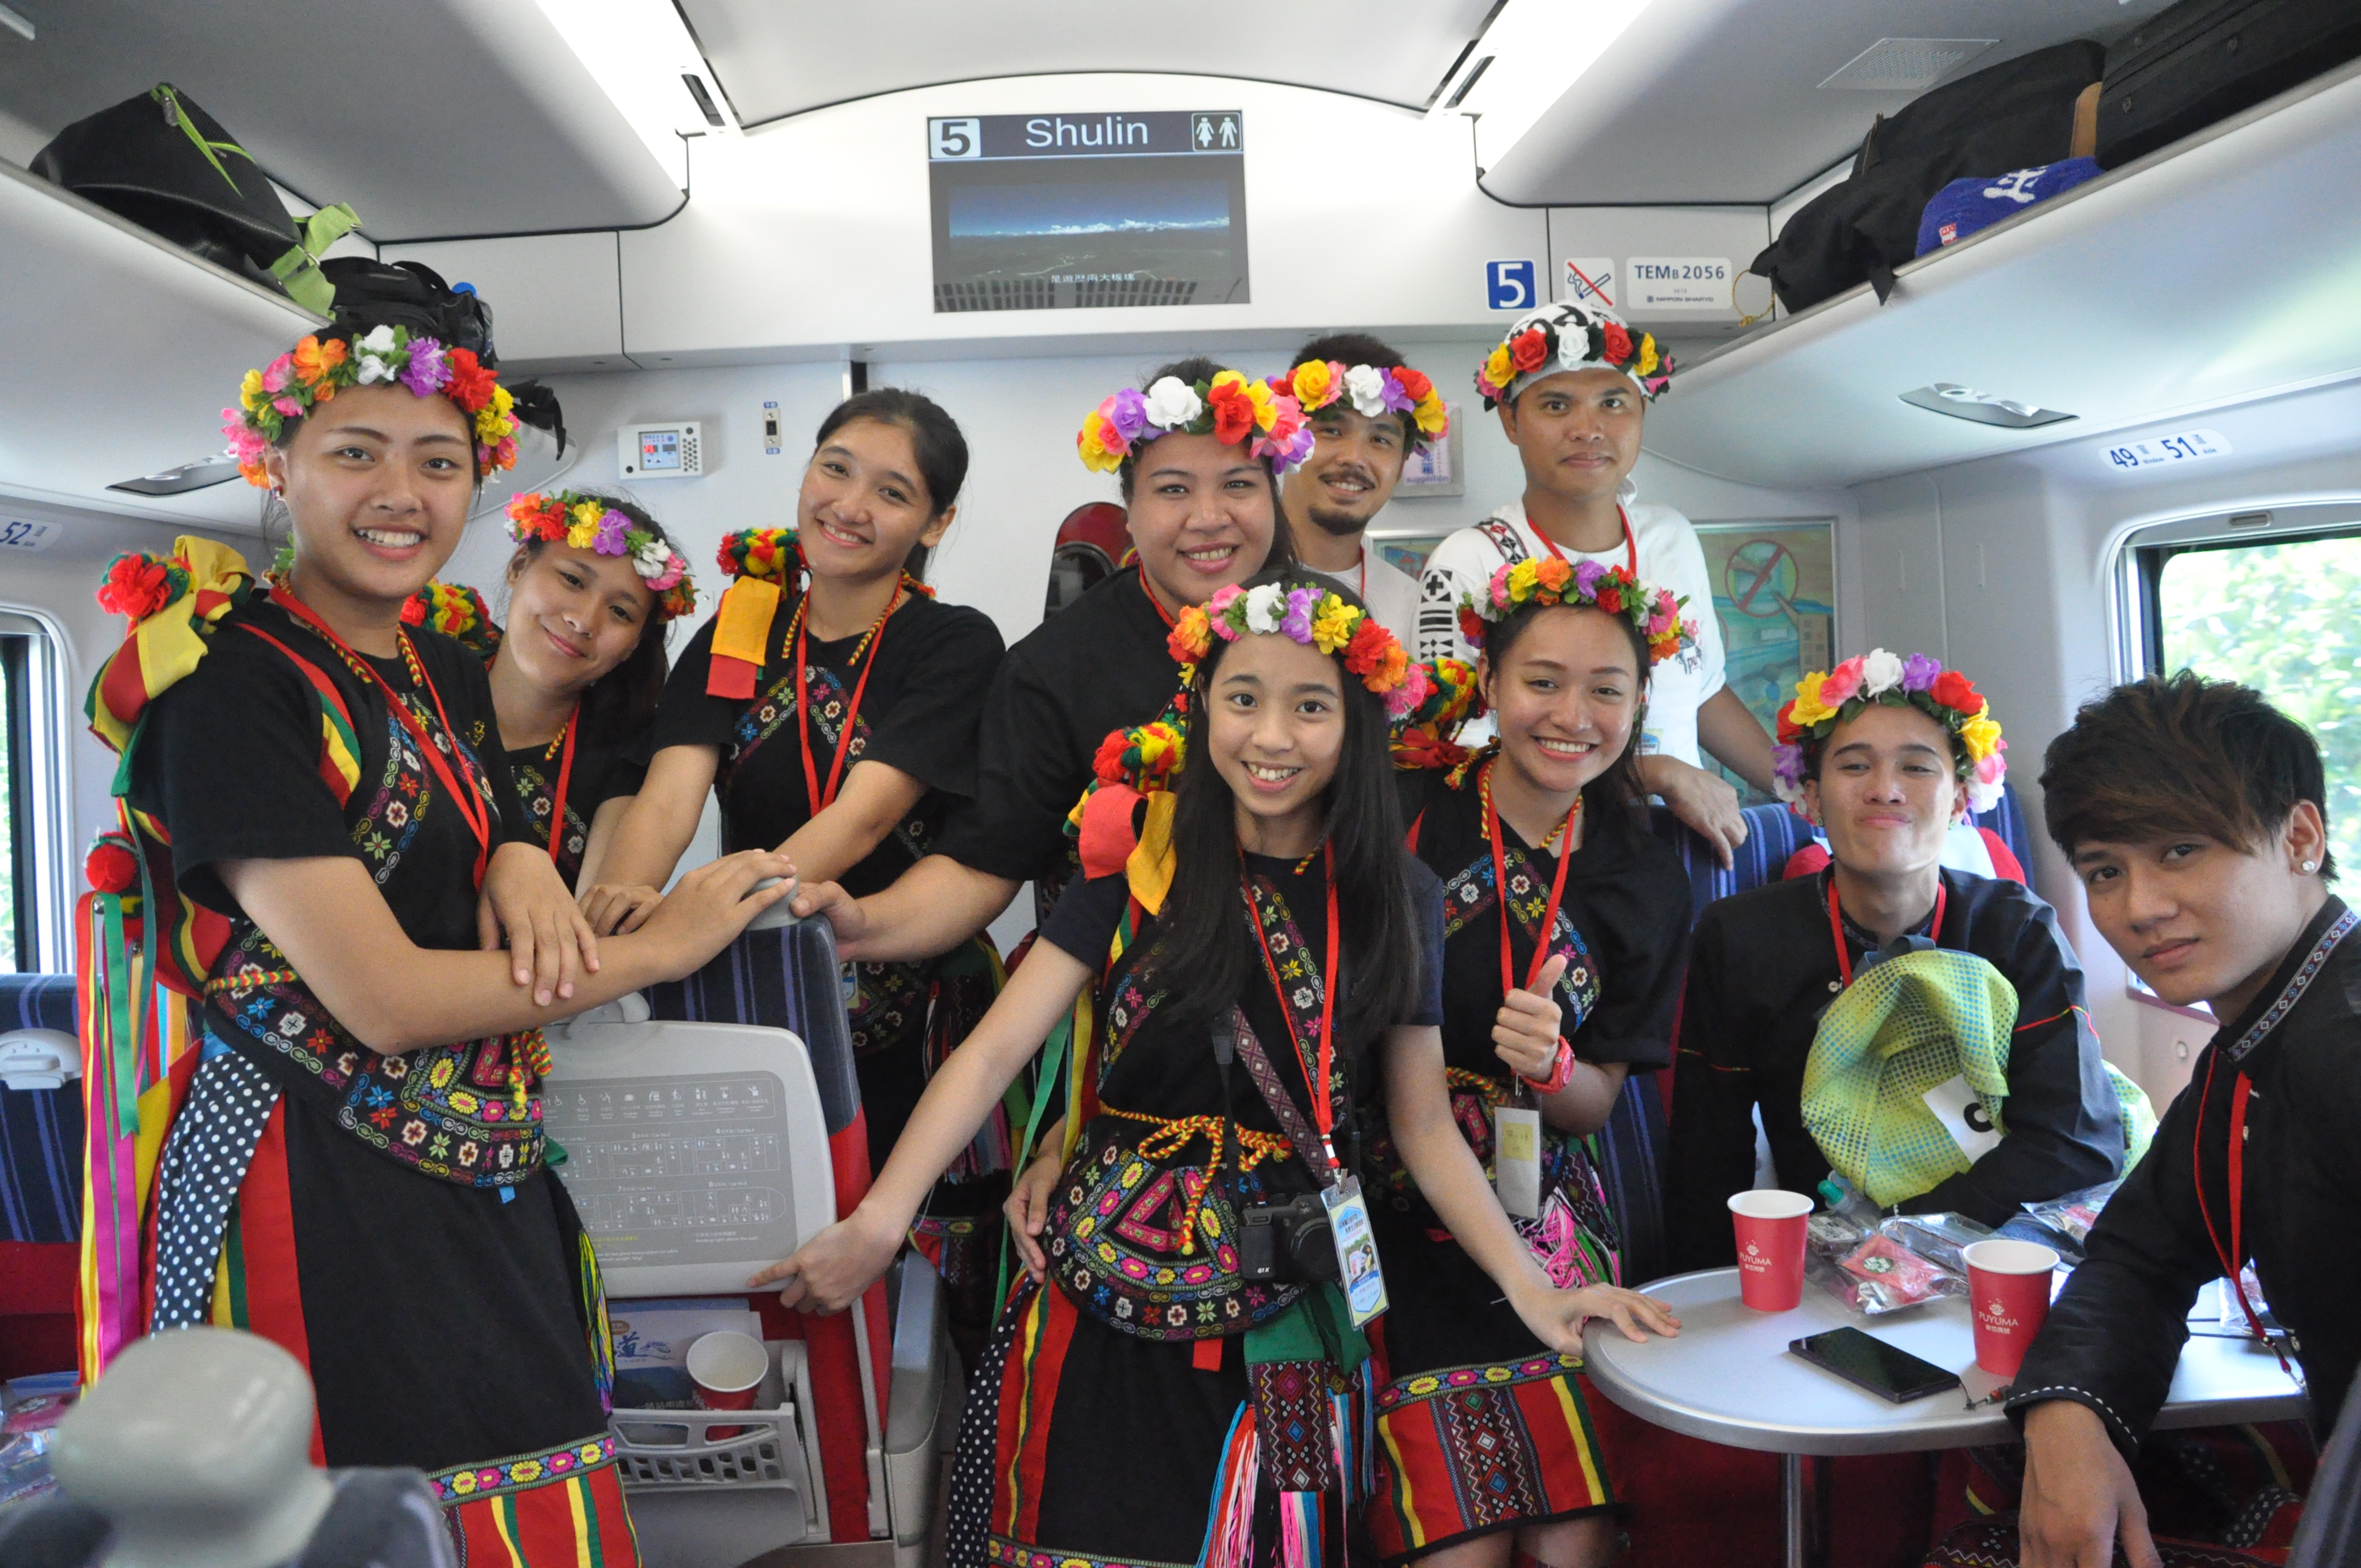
(160, 161)
(413, 295)
(2015, 115)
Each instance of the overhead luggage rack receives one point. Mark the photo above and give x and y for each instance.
(2210, 272)
(84, 286)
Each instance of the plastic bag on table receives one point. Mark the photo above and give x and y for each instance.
(26, 1434)
(2073, 1214)
(1876, 1264)
(1938, 1237)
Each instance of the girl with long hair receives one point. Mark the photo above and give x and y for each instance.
(832, 706)
(1264, 952)
(357, 1167)
(1566, 927)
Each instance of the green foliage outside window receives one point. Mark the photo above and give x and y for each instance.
(2284, 619)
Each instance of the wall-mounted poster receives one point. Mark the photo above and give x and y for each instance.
(1774, 591)
(1437, 468)
(1061, 212)
(1406, 552)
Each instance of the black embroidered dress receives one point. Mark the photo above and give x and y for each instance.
(387, 1219)
(1482, 1427)
(1097, 1421)
(926, 678)
(604, 770)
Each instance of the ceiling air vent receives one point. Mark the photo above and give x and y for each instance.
(1906, 65)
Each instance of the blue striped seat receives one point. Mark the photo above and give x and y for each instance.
(41, 1129)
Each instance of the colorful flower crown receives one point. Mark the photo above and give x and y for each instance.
(1229, 408)
(1426, 735)
(1546, 580)
(586, 522)
(1317, 618)
(317, 368)
(1374, 391)
(1825, 699)
(1571, 337)
(455, 610)
(1145, 757)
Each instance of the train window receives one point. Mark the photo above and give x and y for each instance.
(34, 934)
(2275, 613)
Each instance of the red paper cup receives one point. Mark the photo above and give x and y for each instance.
(1769, 1247)
(727, 1369)
(2008, 1293)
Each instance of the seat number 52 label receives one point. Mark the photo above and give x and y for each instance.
(17, 534)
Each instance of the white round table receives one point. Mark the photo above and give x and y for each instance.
(1729, 1378)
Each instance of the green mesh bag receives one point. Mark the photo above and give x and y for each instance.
(1904, 1027)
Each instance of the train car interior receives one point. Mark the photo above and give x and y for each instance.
(1993, 336)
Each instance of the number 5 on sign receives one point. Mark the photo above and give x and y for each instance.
(1508, 285)
(954, 138)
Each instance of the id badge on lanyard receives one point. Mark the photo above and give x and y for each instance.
(1517, 1160)
(1362, 1277)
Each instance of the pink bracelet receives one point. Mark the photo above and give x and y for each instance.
(1561, 1070)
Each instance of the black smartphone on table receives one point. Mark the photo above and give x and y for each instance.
(1887, 1371)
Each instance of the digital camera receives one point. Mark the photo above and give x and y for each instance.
(1287, 1242)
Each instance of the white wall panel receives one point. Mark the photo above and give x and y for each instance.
(556, 299)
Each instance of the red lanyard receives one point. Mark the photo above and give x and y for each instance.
(1630, 541)
(1323, 1111)
(2233, 1258)
(818, 800)
(1835, 925)
(472, 808)
(1500, 886)
(565, 773)
(1148, 588)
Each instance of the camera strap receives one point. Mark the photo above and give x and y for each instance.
(1318, 1063)
(1282, 1104)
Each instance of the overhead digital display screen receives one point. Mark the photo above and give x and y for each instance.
(1063, 212)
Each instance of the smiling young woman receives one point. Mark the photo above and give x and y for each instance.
(1883, 754)
(336, 837)
(593, 586)
(1198, 457)
(1565, 927)
(830, 708)
(1228, 1073)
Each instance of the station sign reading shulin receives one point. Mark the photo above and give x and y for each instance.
(1083, 211)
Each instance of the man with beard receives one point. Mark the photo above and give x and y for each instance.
(1367, 412)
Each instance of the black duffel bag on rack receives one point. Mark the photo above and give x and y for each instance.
(413, 295)
(160, 161)
(2017, 114)
(2203, 60)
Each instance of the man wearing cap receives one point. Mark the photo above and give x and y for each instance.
(1369, 413)
(1571, 384)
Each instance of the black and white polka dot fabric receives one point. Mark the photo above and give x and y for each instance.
(970, 1520)
(205, 1160)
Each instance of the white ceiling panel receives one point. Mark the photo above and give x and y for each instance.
(1709, 101)
(2218, 271)
(431, 118)
(778, 57)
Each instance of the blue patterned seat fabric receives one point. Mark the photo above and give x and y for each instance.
(41, 1129)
